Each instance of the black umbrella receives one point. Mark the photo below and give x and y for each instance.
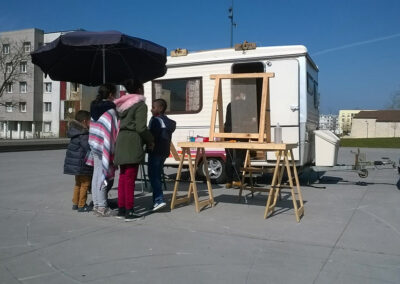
(93, 58)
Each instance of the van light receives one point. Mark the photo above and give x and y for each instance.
(245, 46)
(179, 52)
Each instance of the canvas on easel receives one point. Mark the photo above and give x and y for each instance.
(246, 123)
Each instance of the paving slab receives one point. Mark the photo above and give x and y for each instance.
(350, 232)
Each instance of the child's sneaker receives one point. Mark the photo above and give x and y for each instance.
(85, 209)
(131, 216)
(121, 213)
(95, 208)
(159, 206)
(104, 212)
(237, 184)
(74, 207)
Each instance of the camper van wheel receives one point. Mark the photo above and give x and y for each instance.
(363, 173)
(216, 170)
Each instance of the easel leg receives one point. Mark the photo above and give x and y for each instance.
(178, 178)
(296, 177)
(246, 165)
(271, 193)
(193, 181)
(278, 186)
(209, 187)
(291, 186)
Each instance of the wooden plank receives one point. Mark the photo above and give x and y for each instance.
(238, 135)
(181, 199)
(267, 128)
(257, 189)
(242, 75)
(261, 129)
(217, 92)
(203, 203)
(238, 145)
(220, 112)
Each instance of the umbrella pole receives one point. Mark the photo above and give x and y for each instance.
(104, 63)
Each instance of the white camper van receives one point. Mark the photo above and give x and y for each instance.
(294, 97)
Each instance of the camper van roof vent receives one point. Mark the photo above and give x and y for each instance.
(179, 52)
(245, 46)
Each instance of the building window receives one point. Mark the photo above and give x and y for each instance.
(9, 88)
(27, 47)
(47, 126)
(22, 67)
(182, 95)
(8, 67)
(47, 107)
(6, 48)
(22, 107)
(47, 87)
(22, 87)
(8, 107)
(75, 87)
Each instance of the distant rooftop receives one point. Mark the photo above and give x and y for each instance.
(380, 115)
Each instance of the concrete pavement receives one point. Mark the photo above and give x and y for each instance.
(350, 232)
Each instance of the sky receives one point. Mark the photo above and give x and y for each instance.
(355, 43)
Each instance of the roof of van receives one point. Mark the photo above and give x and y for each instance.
(230, 54)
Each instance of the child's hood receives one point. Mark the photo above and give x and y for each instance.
(128, 100)
(169, 123)
(75, 128)
(97, 108)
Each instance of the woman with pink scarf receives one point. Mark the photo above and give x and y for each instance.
(129, 153)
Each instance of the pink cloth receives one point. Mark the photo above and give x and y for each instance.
(126, 185)
(125, 102)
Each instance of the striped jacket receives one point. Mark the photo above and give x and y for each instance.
(102, 136)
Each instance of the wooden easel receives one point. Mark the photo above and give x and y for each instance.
(264, 129)
(256, 141)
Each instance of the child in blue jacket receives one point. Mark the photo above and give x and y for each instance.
(75, 159)
(162, 128)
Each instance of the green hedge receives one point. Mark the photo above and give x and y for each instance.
(370, 142)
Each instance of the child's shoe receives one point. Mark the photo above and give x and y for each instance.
(159, 206)
(104, 212)
(85, 209)
(121, 213)
(130, 215)
(228, 185)
(74, 207)
(95, 208)
(237, 184)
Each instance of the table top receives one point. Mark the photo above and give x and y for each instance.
(238, 145)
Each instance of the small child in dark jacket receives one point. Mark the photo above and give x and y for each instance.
(162, 128)
(75, 159)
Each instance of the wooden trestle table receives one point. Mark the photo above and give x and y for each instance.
(285, 159)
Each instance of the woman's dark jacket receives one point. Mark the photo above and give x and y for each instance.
(78, 147)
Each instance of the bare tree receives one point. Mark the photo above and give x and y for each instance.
(394, 102)
(13, 63)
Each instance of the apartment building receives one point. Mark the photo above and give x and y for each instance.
(36, 106)
(21, 104)
(51, 100)
(329, 122)
(345, 120)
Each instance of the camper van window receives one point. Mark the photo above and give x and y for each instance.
(183, 95)
(310, 85)
(316, 95)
